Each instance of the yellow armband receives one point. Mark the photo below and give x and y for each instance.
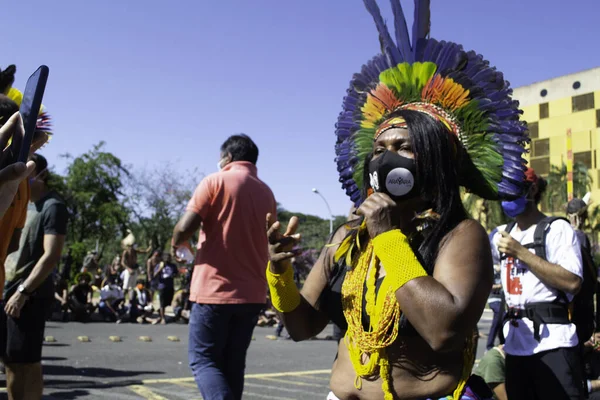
(400, 262)
(284, 293)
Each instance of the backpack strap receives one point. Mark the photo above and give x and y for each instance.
(510, 226)
(539, 236)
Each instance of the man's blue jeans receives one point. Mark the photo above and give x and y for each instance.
(219, 338)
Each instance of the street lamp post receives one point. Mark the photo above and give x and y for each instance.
(315, 191)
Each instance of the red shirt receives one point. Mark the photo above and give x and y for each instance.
(233, 250)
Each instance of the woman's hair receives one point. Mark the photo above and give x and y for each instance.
(436, 152)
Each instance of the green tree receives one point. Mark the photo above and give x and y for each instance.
(157, 198)
(93, 190)
(555, 198)
(314, 230)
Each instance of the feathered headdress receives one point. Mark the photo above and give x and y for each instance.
(44, 123)
(7, 78)
(456, 87)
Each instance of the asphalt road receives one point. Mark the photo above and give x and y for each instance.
(134, 369)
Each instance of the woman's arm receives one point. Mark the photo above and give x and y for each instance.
(445, 308)
(307, 320)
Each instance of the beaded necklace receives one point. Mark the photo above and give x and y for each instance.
(384, 313)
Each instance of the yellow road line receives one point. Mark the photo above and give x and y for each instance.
(186, 384)
(276, 389)
(266, 396)
(145, 392)
(246, 393)
(310, 378)
(267, 375)
(264, 378)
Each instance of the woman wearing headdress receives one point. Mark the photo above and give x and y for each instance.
(410, 278)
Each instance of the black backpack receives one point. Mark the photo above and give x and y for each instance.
(581, 309)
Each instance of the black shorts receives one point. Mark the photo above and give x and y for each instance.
(25, 335)
(554, 374)
(166, 296)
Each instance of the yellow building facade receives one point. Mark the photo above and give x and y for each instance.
(554, 106)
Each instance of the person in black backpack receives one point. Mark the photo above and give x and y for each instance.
(541, 272)
(584, 316)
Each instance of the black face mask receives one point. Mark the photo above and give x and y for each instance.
(394, 175)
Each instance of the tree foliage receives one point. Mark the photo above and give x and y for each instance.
(157, 198)
(555, 199)
(314, 230)
(93, 190)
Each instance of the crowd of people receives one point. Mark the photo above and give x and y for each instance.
(405, 280)
(107, 293)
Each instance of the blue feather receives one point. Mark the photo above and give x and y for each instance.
(421, 24)
(402, 38)
(389, 47)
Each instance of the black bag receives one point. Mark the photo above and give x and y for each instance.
(582, 307)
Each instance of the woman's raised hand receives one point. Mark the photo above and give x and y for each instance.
(281, 245)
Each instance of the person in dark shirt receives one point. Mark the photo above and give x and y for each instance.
(29, 288)
(165, 272)
(141, 304)
(80, 298)
(577, 214)
(67, 264)
(61, 297)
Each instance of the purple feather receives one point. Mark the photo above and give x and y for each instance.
(401, 29)
(421, 24)
(389, 47)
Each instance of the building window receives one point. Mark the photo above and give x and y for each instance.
(598, 118)
(584, 157)
(576, 85)
(543, 93)
(540, 148)
(544, 112)
(534, 130)
(583, 102)
(541, 166)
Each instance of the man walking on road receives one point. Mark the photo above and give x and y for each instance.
(29, 288)
(229, 287)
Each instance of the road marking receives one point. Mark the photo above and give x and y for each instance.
(266, 396)
(186, 384)
(145, 392)
(284, 381)
(283, 389)
(309, 377)
(49, 339)
(173, 338)
(145, 338)
(262, 386)
(115, 338)
(83, 338)
(291, 373)
(249, 376)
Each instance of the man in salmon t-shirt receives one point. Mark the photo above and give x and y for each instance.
(229, 287)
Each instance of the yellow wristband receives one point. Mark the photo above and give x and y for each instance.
(284, 293)
(400, 262)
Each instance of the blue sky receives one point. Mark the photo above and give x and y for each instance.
(169, 81)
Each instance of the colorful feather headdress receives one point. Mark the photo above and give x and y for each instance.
(44, 123)
(456, 87)
(7, 78)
